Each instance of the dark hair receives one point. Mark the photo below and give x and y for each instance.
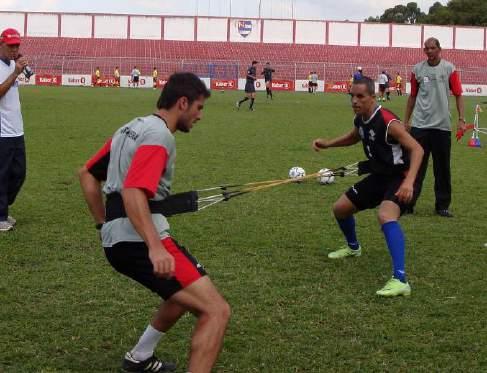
(368, 82)
(434, 40)
(254, 62)
(182, 85)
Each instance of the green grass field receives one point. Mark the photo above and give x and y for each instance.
(63, 308)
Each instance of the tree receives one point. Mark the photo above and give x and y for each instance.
(468, 12)
(456, 12)
(398, 14)
(409, 13)
(439, 15)
(413, 13)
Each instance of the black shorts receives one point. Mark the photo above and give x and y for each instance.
(135, 79)
(382, 87)
(132, 260)
(250, 87)
(369, 192)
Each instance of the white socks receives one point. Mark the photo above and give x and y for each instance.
(144, 349)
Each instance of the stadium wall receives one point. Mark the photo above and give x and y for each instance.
(238, 30)
(242, 30)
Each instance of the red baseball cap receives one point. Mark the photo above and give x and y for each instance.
(10, 36)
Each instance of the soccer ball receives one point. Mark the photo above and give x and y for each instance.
(325, 176)
(297, 173)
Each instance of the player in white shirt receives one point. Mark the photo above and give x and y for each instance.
(383, 79)
(135, 74)
(12, 146)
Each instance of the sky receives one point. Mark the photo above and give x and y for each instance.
(353, 10)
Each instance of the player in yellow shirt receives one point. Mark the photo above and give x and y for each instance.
(154, 78)
(116, 75)
(399, 84)
(97, 77)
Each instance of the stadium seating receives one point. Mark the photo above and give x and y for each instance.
(69, 55)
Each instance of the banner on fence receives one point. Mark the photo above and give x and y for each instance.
(282, 85)
(337, 87)
(223, 84)
(474, 90)
(76, 80)
(302, 86)
(23, 81)
(48, 79)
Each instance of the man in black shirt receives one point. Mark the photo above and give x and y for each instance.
(394, 158)
(267, 72)
(250, 86)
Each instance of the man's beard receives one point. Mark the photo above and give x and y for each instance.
(182, 125)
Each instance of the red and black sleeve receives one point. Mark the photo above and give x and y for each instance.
(146, 169)
(98, 164)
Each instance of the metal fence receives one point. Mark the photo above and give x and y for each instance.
(226, 69)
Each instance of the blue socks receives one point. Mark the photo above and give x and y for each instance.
(395, 242)
(347, 226)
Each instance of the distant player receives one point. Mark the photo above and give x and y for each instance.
(382, 86)
(394, 158)
(135, 74)
(358, 74)
(398, 84)
(116, 76)
(250, 86)
(97, 77)
(310, 82)
(314, 82)
(267, 72)
(154, 78)
(388, 86)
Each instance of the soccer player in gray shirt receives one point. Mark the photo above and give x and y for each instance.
(137, 167)
(431, 83)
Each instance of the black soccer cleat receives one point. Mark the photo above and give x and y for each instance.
(444, 213)
(152, 364)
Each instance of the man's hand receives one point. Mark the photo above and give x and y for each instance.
(319, 144)
(408, 126)
(162, 261)
(20, 64)
(405, 192)
(459, 134)
(461, 126)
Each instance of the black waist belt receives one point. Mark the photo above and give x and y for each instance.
(372, 166)
(172, 205)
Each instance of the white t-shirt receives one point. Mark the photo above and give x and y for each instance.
(383, 79)
(11, 123)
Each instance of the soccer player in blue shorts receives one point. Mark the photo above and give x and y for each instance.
(394, 158)
(137, 168)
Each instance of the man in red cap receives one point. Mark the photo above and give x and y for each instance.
(12, 147)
